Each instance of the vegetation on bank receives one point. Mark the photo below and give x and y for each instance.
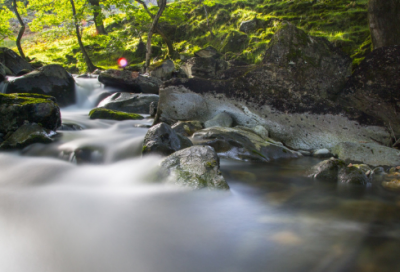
(192, 25)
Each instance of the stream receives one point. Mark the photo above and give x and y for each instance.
(58, 213)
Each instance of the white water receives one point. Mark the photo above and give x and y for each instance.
(115, 214)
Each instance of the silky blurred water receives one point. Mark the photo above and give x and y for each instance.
(90, 202)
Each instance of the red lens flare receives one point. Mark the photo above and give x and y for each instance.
(122, 62)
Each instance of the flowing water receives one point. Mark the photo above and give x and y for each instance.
(58, 212)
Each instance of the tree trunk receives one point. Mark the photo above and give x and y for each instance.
(161, 6)
(384, 22)
(21, 30)
(167, 41)
(98, 17)
(89, 63)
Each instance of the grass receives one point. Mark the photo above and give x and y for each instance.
(342, 22)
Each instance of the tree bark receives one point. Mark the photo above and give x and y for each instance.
(167, 41)
(98, 17)
(161, 6)
(89, 63)
(21, 30)
(384, 22)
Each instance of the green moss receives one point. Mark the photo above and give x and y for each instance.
(102, 113)
(144, 148)
(211, 164)
(25, 98)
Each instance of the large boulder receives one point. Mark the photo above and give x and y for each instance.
(293, 94)
(368, 153)
(208, 52)
(384, 21)
(129, 102)
(241, 143)
(51, 80)
(204, 67)
(222, 119)
(195, 167)
(130, 81)
(374, 86)
(187, 128)
(161, 139)
(15, 109)
(327, 170)
(13, 61)
(25, 135)
(163, 70)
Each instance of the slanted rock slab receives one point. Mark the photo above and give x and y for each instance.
(129, 102)
(13, 61)
(27, 134)
(195, 167)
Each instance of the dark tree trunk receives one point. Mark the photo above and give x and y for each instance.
(21, 30)
(384, 22)
(167, 41)
(98, 17)
(161, 6)
(89, 63)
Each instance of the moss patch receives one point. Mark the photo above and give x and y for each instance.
(101, 113)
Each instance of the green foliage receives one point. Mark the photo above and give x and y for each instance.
(5, 16)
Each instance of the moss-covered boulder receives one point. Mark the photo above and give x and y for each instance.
(13, 61)
(195, 167)
(208, 52)
(162, 70)
(327, 170)
(162, 140)
(248, 26)
(102, 113)
(129, 102)
(354, 174)
(28, 133)
(241, 143)
(51, 80)
(235, 42)
(34, 108)
(130, 81)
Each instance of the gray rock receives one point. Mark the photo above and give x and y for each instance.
(222, 119)
(2, 72)
(13, 61)
(130, 81)
(195, 167)
(208, 52)
(322, 153)
(368, 153)
(164, 70)
(153, 109)
(129, 102)
(204, 67)
(242, 144)
(51, 80)
(161, 139)
(327, 170)
(354, 174)
(262, 131)
(28, 133)
(15, 109)
(248, 26)
(187, 128)
(5, 71)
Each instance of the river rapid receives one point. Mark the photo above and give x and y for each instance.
(58, 213)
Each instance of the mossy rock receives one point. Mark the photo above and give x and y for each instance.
(235, 42)
(101, 113)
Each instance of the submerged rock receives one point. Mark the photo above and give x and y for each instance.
(242, 144)
(130, 81)
(187, 128)
(161, 139)
(327, 170)
(222, 119)
(368, 153)
(391, 182)
(51, 80)
(195, 167)
(15, 109)
(13, 61)
(101, 113)
(28, 133)
(129, 102)
(354, 174)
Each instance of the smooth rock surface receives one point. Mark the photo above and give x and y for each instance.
(34, 108)
(187, 128)
(28, 133)
(242, 144)
(130, 81)
(51, 80)
(129, 102)
(161, 139)
(368, 153)
(195, 167)
(222, 119)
